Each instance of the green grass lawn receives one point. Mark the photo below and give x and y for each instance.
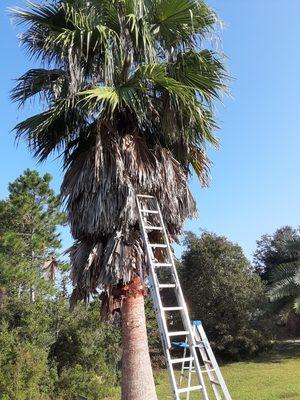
(275, 376)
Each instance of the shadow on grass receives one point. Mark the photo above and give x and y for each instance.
(281, 350)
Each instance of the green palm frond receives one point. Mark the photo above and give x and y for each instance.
(38, 13)
(101, 98)
(51, 130)
(283, 305)
(157, 74)
(43, 20)
(294, 246)
(287, 288)
(55, 30)
(39, 81)
(174, 13)
(284, 271)
(285, 282)
(180, 20)
(137, 87)
(201, 71)
(83, 31)
(297, 305)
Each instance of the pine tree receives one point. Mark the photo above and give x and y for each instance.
(28, 234)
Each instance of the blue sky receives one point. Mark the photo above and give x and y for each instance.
(255, 178)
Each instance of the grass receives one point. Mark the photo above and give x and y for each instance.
(274, 376)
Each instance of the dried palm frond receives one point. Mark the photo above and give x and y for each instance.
(50, 269)
(100, 188)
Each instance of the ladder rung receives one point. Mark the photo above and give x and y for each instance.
(181, 360)
(207, 370)
(144, 210)
(214, 382)
(145, 196)
(153, 228)
(201, 345)
(162, 264)
(207, 362)
(158, 245)
(166, 285)
(202, 370)
(177, 308)
(178, 333)
(189, 389)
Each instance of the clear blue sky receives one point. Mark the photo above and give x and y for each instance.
(255, 178)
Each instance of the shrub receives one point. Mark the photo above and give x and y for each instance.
(224, 293)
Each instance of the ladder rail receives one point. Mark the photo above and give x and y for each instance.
(182, 368)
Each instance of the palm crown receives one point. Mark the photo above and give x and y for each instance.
(129, 92)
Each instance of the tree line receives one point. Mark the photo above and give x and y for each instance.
(50, 352)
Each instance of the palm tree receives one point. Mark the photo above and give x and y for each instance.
(128, 89)
(285, 282)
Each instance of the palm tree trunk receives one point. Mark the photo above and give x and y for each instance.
(137, 376)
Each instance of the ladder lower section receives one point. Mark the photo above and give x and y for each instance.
(198, 359)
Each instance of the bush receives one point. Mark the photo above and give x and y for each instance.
(24, 372)
(77, 382)
(223, 292)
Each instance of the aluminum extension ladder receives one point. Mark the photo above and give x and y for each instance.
(191, 338)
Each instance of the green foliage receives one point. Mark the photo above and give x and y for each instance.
(24, 371)
(223, 292)
(78, 381)
(82, 338)
(52, 352)
(28, 235)
(273, 250)
(285, 282)
(155, 347)
(86, 352)
(46, 352)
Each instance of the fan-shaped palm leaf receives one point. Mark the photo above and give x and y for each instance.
(285, 289)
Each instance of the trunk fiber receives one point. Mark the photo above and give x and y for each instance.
(137, 376)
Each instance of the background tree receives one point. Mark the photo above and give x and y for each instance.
(30, 216)
(273, 250)
(128, 94)
(28, 233)
(223, 292)
(45, 351)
